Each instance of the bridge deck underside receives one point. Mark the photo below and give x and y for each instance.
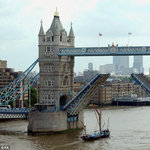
(143, 82)
(84, 96)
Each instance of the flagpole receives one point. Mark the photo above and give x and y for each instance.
(128, 39)
(98, 40)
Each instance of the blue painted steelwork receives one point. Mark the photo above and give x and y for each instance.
(12, 92)
(84, 89)
(105, 51)
(142, 81)
(24, 75)
(34, 80)
(74, 106)
(16, 111)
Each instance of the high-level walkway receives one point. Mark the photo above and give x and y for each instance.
(75, 105)
(105, 51)
(142, 80)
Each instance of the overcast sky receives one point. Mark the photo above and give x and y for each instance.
(20, 24)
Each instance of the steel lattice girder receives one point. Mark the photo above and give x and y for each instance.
(141, 81)
(77, 105)
(105, 51)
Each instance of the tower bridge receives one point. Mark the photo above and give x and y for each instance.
(56, 92)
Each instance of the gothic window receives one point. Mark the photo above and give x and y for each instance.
(48, 38)
(48, 49)
(49, 69)
(45, 68)
(52, 68)
(52, 83)
(52, 38)
(45, 83)
(45, 96)
(49, 83)
(60, 38)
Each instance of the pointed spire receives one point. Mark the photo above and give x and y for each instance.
(56, 13)
(71, 34)
(41, 32)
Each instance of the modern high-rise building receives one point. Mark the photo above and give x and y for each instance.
(121, 61)
(3, 64)
(90, 66)
(138, 64)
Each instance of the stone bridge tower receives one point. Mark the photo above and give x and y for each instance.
(56, 72)
(56, 81)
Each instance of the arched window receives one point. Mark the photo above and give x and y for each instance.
(48, 38)
(45, 83)
(52, 68)
(45, 68)
(45, 96)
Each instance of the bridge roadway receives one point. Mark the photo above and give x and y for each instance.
(105, 51)
(14, 113)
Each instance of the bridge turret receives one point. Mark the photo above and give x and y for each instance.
(56, 73)
(41, 35)
(71, 37)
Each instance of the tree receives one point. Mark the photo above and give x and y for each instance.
(33, 96)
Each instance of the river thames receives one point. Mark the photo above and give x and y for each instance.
(129, 130)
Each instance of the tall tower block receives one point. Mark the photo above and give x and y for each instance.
(56, 79)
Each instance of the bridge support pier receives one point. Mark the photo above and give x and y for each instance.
(52, 122)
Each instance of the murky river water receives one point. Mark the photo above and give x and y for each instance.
(129, 126)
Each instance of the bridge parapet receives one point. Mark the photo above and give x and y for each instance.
(105, 51)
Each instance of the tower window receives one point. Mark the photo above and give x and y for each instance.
(52, 68)
(48, 38)
(45, 83)
(45, 69)
(48, 49)
(60, 38)
(52, 38)
(45, 96)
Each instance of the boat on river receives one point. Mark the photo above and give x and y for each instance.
(97, 134)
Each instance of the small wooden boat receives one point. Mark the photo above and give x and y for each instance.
(97, 134)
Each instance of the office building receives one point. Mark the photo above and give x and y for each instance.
(138, 64)
(90, 66)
